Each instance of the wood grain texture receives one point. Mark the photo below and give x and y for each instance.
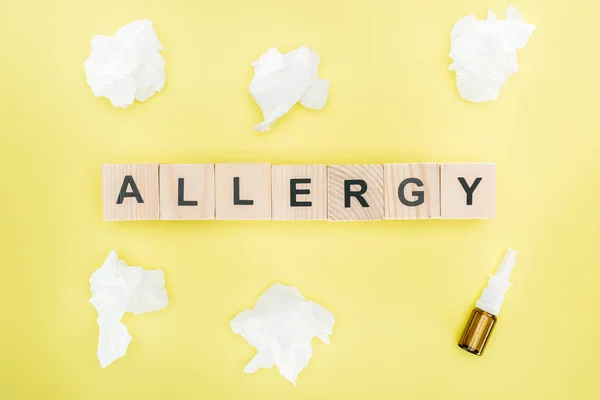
(372, 174)
(254, 184)
(145, 177)
(198, 186)
(454, 197)
(281, 188)
(429, 177)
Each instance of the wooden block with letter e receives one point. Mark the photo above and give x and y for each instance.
(468, 190)
(243, 191)
(299, 192)
(355, 192)
(412, 191)
(187, 191)
(130, 192)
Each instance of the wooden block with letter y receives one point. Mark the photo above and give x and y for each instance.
(243, 191)
(299, 192)
(468, 190)
(130, 192)
(355, 192)
(187, 191)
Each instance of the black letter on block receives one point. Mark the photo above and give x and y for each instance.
(349, 193)
(419, 194)
(236, 194)
(127, 181)
(469, 190)
(180, 200)
(294, 192)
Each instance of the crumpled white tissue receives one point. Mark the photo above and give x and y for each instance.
(281, 327)
(282, 80)
(485, 53)
(117, 288)
(126, 66)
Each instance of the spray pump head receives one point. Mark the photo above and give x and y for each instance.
(498, 284)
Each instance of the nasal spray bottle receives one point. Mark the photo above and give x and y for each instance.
(484, 316)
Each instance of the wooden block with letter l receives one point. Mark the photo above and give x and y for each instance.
(130, 192)
(355, 192)
(243, 191)
(412, 191)
(468, 190)
(299, 192)
(187, 191)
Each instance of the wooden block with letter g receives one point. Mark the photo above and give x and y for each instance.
(412, 191)
(187, 191)
(299, 192)
(243, 191)
(355, 192)
(468, 190)
(130, 192)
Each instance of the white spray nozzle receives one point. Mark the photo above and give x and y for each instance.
(507, 264)
(493, 295)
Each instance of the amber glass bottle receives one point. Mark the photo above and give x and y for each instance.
(477, 331)
(483, 318)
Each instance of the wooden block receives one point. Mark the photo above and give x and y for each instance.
(187, 191)
(412, 191)
(468, 190)
(130, 192)
(243, 191)
(299, 192)
(355, 192)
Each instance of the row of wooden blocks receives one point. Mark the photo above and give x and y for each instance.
(298, 192)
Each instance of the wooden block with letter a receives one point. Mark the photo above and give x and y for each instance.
(468, 190)
(130, 192)
(243, 191)
(187, 191)
(412, 191)
(299, 192)
(355, 192)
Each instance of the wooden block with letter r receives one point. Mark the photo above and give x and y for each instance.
(355, 192)
(468, 190)
(187, 191)
(299, 192)
(412, 191)
(130, 192)
(243, 191)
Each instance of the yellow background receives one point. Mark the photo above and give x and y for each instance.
(400, 291)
